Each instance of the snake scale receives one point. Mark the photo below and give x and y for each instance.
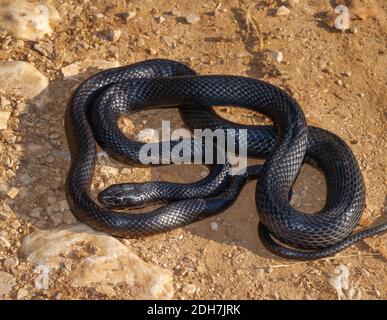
(91, 119)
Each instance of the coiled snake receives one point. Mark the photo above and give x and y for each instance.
(92, 117)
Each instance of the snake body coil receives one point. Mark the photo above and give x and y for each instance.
(92, 117)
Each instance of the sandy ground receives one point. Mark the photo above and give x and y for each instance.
(337, 77)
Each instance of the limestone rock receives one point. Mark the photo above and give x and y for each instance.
(21, 78)
(97, 260)
(76, 68)
(26, 20)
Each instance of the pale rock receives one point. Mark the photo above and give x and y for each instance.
(27, 20)
(214, 226)
(192, 18)
(42, 278)
(131, 14)
(340, 281)
(46, 49)
(125, 16)
(160, 19)
(13, 192)
(15, 224)
(79, 67)
(22, 108)
(21, 78)
(22, 293)
(296, 201)
(347, 74)
(152, 51)
(106, 290)
(175, 12)
(282, 11)
(4, 102)
(11, 263)
(97, 260)
(7, 282)
(168, 41)
(4, 117)
(103, 159)
(4, 243)
(277, 56)
(189, 288)
(112, 35)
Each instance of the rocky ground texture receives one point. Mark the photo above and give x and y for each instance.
(48, 48)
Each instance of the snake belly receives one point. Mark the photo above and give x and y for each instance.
(100, 100)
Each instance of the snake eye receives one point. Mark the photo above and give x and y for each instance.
(117, 201)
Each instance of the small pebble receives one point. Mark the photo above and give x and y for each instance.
(112, 35)
(22, 108)
(160, 19)
(54, 136)
(11, 263)
(15, 224)
(12, 193)
(189, 288)
(152, 51)
(214, 226)
(106, 290)
(192, 18)
(339, 82)
(282, 11)
(131, 14)
(175, 12)
(125, 16)
(4, 242)
(22, 293)
(168, 41)
(296, 201)
(277, 56)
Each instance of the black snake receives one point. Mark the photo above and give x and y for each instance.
(98, 103)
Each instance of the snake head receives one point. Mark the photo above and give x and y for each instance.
(120, 196)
